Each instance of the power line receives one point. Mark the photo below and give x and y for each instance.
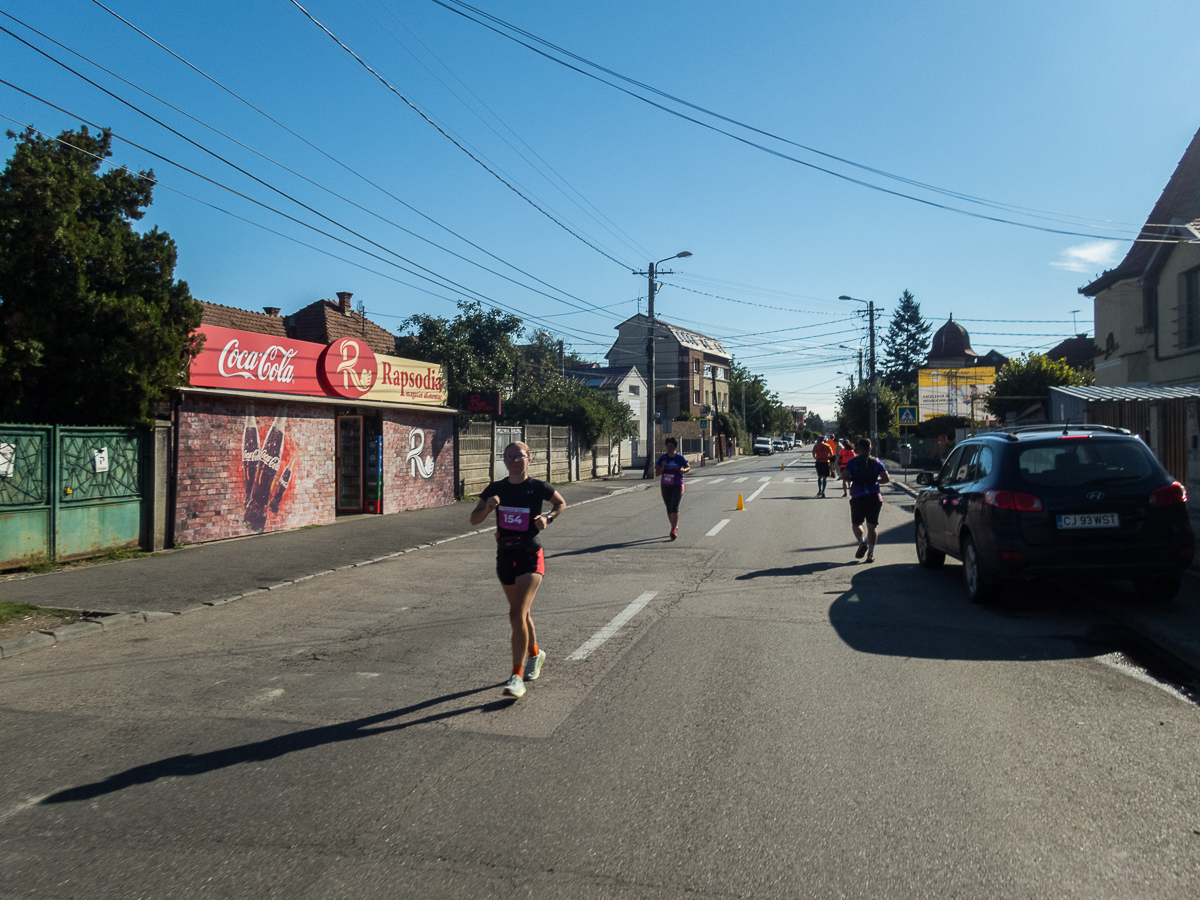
(749, 142)
(444, 134)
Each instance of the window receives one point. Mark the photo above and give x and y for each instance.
(1073, 463)
(981, 465)
(1191, 307)
(947, 473)
(696, 397)
(1149, 306)
(634, 389)
(695, 365)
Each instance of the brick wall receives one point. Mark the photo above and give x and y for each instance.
(405, 485)
(216, 460)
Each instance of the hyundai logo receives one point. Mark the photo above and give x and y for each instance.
(1096, 495)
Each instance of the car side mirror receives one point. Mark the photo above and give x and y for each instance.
(926, 478)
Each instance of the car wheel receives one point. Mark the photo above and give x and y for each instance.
(926, 555)
(1158, 590)
(982, 585)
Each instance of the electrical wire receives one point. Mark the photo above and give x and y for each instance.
(456, 143)
(751, 143)
(324, 153)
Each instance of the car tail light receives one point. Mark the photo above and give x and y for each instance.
(1171, 493)
(1012, 556)
(1012, 500)
(1074, 437)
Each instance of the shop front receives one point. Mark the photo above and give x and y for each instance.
(276, 434)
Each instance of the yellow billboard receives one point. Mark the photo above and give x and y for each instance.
(954, 392)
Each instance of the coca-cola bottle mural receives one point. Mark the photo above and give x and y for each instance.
(250, 458)
(265, 474)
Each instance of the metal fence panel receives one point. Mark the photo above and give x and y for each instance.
(26, 515)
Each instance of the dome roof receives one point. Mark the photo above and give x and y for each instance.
(951, 340)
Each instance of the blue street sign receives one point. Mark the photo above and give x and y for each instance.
(908, 415)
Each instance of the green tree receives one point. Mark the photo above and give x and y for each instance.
(476, 348)
(813, 425)
(854, 410)
(94, 328)
(545, 397)
(1026, 380)
(761, 403)
(906, 344)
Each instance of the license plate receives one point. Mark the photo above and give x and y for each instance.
(1089, 520)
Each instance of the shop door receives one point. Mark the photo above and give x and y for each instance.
(349, 464)
(372, 465)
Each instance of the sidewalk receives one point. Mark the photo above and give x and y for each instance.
(179, 580)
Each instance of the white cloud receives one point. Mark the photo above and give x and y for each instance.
(1091, 257)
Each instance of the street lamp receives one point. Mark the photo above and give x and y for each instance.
(648, 472)
(874, 391)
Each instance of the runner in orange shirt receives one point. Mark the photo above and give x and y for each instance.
(821, 456)
(844, 455)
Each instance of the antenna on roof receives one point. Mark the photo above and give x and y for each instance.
(362, 315)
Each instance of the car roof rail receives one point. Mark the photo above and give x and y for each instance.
(1013, 433)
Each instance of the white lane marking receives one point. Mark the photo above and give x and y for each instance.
(764, 480)
(756, 493)
(718, 527)
(740, 480)
(614, 626)
(716, 481)
(789, 480)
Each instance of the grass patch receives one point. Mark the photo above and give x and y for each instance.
(43, 567)
(307, 527)
(17, 610)
(124, 554)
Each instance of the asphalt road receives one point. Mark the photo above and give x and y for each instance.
(774, 720)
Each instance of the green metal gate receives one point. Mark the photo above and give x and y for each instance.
(69, 492)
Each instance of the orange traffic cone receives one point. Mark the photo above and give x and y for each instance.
(740, 505)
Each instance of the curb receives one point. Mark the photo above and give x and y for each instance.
(52, 637)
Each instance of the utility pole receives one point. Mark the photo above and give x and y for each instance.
(860, 365)
(651, 339)
(648, 472)
(874, 387)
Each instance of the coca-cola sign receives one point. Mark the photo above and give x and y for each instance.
(244, 360)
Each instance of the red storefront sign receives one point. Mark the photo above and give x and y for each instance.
(246, 361)
(348, 368)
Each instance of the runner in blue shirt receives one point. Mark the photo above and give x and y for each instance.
(865, 474)
(671, 467)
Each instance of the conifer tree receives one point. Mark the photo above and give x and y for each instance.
(906, 344)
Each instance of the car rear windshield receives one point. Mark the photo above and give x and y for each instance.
(1072, 462)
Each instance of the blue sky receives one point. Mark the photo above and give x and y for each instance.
(1072, 109)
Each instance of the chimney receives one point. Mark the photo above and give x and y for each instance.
(271, 310)
(344, 300)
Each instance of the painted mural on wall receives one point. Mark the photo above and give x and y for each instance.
(266, 471)
(417, 465)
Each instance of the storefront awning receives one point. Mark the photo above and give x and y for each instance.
(317, 401)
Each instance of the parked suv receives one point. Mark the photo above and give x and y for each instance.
(763, 445)
(1080, 500)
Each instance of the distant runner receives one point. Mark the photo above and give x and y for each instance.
(520, 562)
(845, 454)
(671, 467)
(865, 474)
(821, 456)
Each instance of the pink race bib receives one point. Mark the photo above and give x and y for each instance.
(670, 479)
(513, 518)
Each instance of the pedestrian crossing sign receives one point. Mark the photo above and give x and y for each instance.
(908, 415)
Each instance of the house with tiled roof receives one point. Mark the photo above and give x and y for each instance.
(322, 322)
(627, 385)
(1148, 308)
(691, 369)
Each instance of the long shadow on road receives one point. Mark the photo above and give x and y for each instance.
(272, 748)
(904, 610)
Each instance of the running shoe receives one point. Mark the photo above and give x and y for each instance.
(515, 687)
(861, 551)
(533, 665)
(871, 558)
(674, 533)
